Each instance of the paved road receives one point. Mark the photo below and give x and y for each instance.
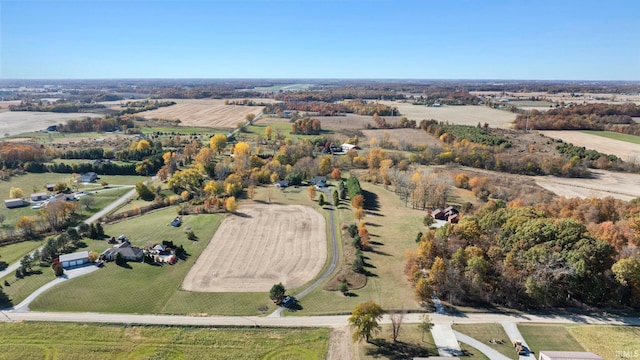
(513, 333)
(111, 206)
(306, 321)
(445, 340)
(334, 257)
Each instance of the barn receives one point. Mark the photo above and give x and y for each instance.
(75, 259)
(15, 203)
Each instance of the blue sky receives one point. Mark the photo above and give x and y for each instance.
(472, 39)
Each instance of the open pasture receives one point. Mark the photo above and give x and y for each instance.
(460, 115)
(415, 137)
(261, 246)
(204, 113)
(625, 150)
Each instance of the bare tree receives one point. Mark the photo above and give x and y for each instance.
(397, 317)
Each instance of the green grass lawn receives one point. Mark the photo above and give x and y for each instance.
(19, 289)
(614, 135)
(486, 332)
(608, 341)
(14, 252)
(411, 343)
(550, 337)
(80, 341)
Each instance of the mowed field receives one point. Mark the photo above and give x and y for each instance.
(261, 246)
(461, 115)
(414, 137)
(206, 113)
(625, 150)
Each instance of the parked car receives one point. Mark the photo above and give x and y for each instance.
(37, 206)
(288, 301)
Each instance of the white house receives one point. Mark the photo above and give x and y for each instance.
(75, 259)
(346, 147)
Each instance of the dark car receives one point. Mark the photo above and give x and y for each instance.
(288, 301)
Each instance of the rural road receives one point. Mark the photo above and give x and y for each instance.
(332, 266)
(307, 321)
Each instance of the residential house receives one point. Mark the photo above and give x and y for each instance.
(15, 203)
(62, 197)
(88, 177)
(41, 196)
(128, 252)
(346, 147)
(319, 181)
(282, 184)
(69, 261)
(568, 355)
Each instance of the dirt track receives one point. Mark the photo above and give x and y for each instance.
(206, 113)
(259, 247)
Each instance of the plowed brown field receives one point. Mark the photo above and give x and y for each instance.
(206, 113)
(261, 246)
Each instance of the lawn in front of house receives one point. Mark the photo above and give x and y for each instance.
(486, 332)
(608, 341)
(81, 341)
(412, 342)
(550, 337)
(137, 287)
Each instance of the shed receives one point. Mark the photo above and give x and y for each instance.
(39, 196)
(50, 187)
(75, 259)
(568, 355)
(15, 203)
(88, 177)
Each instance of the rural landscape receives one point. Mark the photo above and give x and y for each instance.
(290, 219)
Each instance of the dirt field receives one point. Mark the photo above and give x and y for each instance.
(627, 151)
(262, 246)
(462, 115)
(17, 122)
(606, 183)
(414, 137)
(206, 113)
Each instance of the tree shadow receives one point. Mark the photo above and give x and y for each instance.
(350, 294)
(243, 215)
(371, 202)
(376, 243)
(294, 307)
(125, 265)
(378, 252)
(396, 350)
(372, 224)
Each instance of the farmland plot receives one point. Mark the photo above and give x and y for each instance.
(18, 122)
(261, 246)
(626, 151)
(459, 115)
(205, 113)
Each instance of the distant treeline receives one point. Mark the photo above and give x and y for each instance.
(57, 107)
(580, 117)
(106, 124)
(358, 107)
(133, 107)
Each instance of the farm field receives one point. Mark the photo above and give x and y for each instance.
(615, 136)
(415, 137)
(261, 246)
(204, 113)
(460, 115)
(590, 98)
(604, 183)
(80, 341)
(18, 122)
(625, 150)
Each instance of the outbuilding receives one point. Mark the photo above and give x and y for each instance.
(39, 196)
(69, 261)
(15, 203)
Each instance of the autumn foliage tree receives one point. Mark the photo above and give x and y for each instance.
(218, 142)
(364, 320)
(336, 174)
(231, 205)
